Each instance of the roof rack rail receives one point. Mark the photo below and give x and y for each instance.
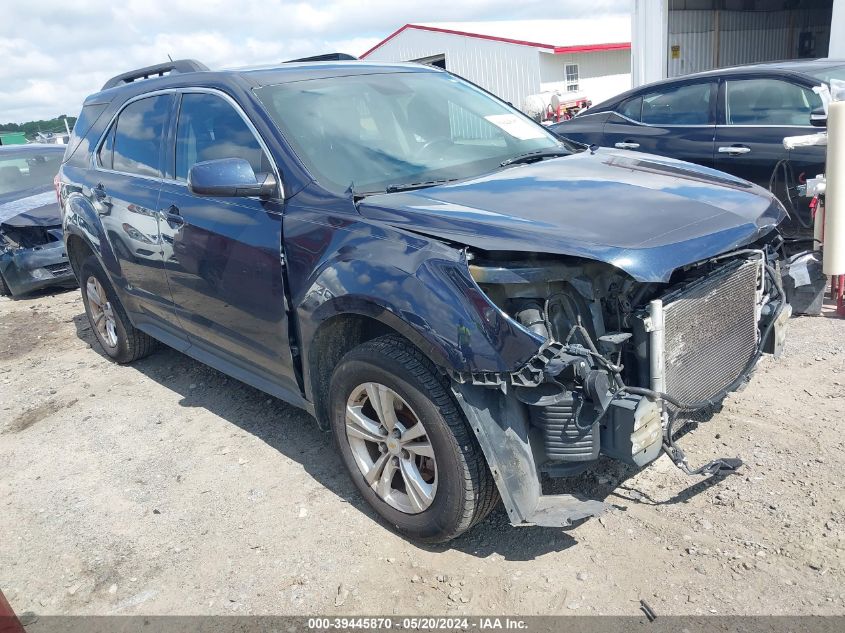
(158, 70)
(327, 57)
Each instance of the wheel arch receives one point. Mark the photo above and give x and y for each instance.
(83, 230)
(333, 339)
(78, 250)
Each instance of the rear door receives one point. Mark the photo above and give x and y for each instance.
(223, 255)
(125, 187)
(676, 120)
(755, 116)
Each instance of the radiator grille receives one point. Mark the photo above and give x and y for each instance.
(710, 331)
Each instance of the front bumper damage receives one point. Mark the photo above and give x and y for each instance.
(28, 269)
(570, 403)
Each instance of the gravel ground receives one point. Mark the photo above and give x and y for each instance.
(166, 488)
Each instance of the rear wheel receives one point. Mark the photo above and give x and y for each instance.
(120, 340)
(406, 444)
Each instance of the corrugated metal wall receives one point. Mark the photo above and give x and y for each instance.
(509, 71)
(743, 37)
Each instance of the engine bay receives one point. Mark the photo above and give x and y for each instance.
(620, 360)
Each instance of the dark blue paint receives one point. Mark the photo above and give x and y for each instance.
(212, 281)
(225, 275)
(643, 214)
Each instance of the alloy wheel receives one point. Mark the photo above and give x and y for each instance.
(391, 447)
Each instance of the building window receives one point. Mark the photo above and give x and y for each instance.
(571, 77)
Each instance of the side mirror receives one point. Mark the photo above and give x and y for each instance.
(229, 178)
(818, 118)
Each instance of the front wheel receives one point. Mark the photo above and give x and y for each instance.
(406, 444)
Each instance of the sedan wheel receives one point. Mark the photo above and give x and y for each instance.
(391, 448)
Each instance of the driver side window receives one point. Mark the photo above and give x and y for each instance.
(208, 129)
(768, 102)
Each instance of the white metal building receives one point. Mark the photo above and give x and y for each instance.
(515, 59)
(677, 37)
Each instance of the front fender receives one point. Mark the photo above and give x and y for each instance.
(437, 306)
(419, 287)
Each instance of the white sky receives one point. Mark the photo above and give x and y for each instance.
(56, 52)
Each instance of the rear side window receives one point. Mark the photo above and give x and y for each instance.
(83, 125)
(631, 109)
(768, 102)
(682, 105)
(208, 129)
(138, 136)
(106, 153)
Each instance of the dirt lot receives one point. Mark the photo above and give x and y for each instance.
(167, 488)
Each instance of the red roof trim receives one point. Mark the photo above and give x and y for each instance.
(385, 40)
(586, 48)
(592, 48)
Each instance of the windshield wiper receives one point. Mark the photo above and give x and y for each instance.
(416, 185)
(531, 157)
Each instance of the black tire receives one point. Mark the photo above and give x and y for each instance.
(466, 492)
(131, 344)
(4, 289)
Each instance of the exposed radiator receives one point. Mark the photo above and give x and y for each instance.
(710, 331)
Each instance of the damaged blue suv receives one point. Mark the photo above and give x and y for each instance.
(467, 302)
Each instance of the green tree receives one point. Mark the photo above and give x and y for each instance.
(32, 128)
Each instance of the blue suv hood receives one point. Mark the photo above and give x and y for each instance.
(644, 214)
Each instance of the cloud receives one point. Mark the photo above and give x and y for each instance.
(56, 52)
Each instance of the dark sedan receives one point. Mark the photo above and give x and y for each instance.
(32, 254)
(732, 119)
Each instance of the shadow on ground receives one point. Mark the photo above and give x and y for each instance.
(44, 293)
(294, 433)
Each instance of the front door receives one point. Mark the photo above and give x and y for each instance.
(223, 255)
(757, 114)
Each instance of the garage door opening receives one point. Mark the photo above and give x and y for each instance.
(435, 60)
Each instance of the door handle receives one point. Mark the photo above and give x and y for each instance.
(734, 150)
(173, 217)
(627, 145)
